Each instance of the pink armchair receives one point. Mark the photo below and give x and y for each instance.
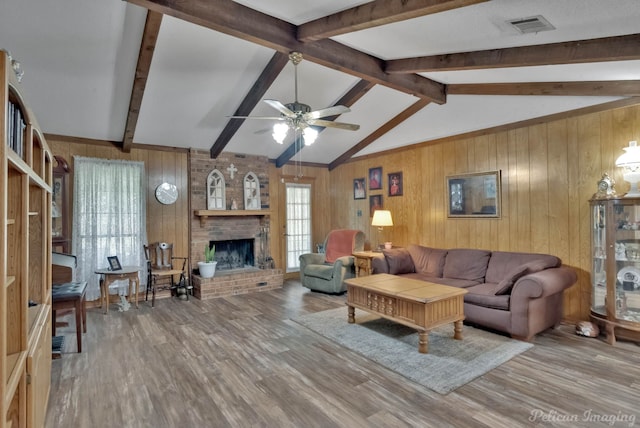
(327, 272)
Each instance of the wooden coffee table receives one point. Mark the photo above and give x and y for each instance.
(417, 304)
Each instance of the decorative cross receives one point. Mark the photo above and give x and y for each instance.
(232, 169)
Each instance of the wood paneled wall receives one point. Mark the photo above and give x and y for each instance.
(165, 223)
(549, 173)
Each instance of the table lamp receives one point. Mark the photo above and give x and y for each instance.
(630, 162)
(382, 218)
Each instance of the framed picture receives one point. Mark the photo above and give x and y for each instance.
(375, 178)
(359, 189)
(57, 207)
(395, 184)
(474, 195)
(114, 263)
(375, 203)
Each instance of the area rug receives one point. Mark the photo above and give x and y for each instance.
(449, 364)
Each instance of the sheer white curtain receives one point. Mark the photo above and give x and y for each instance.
(109, 218)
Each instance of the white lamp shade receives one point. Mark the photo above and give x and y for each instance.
(630, 158)
(630, 161)
(382, 218)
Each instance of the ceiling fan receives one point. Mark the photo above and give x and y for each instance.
(299, 117)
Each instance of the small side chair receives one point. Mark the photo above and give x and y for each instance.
(162, 268)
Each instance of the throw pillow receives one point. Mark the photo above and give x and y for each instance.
(505, 286)
(399, 261)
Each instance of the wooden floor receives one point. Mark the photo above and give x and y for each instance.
(241, 362)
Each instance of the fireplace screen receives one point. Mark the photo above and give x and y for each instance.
(234, 254)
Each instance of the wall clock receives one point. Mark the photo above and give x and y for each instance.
(167, 193)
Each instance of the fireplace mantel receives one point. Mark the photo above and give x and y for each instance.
(205, 214)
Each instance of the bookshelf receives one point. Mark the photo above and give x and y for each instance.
(25, 259)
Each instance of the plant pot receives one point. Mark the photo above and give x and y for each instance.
(207, 269)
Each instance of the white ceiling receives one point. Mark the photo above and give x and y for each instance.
(79, 58)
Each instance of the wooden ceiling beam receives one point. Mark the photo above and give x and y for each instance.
(348, 99)
(253, 97)
(397, 120)
(622, 88)
(373, 14)
(618, 48)
(229, 17)
(147, 47)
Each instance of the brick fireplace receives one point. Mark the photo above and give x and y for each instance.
(231, 229)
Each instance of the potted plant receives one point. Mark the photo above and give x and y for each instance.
(208, 266)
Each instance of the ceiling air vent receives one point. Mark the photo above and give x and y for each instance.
(532, 24)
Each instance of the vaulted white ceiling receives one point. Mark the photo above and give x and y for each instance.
(79, 58)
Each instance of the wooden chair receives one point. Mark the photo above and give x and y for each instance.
(66, 294)
(162, 267)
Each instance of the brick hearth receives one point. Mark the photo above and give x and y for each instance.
(239, 281)
(230, 283)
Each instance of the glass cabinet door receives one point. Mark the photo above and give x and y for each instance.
(599, 257)
(626, 293)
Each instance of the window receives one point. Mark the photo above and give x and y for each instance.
(298, 223)
(109, 218)
(251, 192)
(216, 198)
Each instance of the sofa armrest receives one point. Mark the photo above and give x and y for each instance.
(536, 301)
(543, 283)
(311, 259)
(379, 265)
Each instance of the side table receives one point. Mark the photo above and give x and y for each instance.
(108, 276)
(363, 260)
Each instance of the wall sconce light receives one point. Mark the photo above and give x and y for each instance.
(382, 219)
(630, 162)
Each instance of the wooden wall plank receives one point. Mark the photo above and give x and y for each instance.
(549, 173)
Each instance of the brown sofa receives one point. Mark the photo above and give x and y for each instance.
(516, 293)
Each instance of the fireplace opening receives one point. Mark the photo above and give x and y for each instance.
(234, 254)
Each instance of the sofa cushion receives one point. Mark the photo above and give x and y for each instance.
(427, 261)
(468, 264)
(502, 262)
(505, 286)
(461, 283)
(399, 261)
(483, 295)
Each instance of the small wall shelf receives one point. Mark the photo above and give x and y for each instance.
(205, 214)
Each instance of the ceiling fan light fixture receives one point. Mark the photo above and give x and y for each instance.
(310, 136)
(280, 131)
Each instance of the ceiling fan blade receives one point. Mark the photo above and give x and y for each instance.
(331, 124)
(257, 117)
(329, 111)
(280, 107)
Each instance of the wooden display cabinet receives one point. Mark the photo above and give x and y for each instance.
(615, 276)
(60, 209)
(25, 259)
